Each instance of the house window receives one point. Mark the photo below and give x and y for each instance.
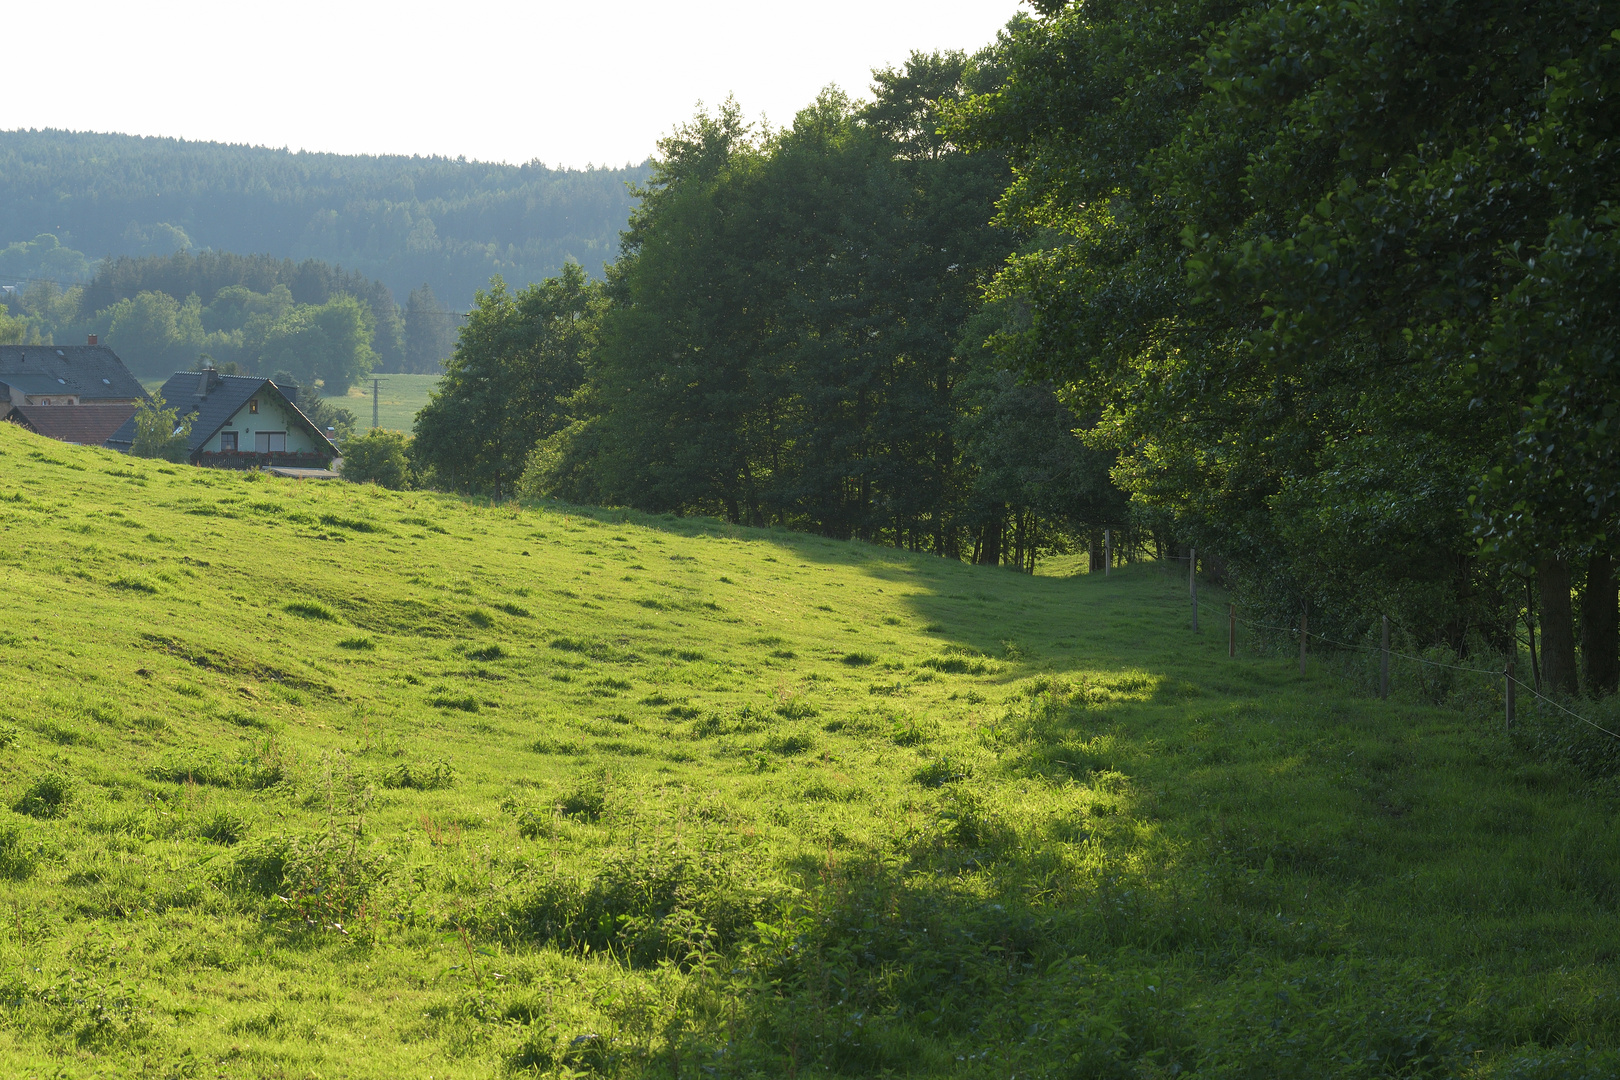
(253, 405)
(270, 442)
(227, 441)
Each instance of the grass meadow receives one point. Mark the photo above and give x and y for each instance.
(399, 399)
(304, 780)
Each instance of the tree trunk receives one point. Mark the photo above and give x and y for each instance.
(1557, 627)
(1600, 627)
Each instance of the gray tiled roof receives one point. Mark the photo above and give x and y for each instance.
(211, 400)
(89, 372)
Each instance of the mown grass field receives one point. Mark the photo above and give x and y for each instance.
(399, 399)
(311, 780)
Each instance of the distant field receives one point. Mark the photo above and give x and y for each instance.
(400, 399)
(303, 779)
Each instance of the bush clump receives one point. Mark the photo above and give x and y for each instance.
(378, 457)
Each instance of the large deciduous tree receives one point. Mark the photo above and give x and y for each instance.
(1294, 265)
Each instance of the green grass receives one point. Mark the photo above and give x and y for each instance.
(399, 399)
(369, 784)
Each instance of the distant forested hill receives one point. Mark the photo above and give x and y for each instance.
(402, 220)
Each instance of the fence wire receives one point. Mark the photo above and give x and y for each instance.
(1294, 631)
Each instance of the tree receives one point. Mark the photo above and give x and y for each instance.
(783, 339)
(430, 332)
(159, 433)
(378, 457)
(519, 359)
(328, 344)
(1281, 240)
(12, 331)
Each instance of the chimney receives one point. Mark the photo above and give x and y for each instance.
(92, 340)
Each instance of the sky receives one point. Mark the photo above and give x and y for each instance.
(571, 84)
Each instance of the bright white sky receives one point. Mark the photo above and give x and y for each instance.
(502, 80)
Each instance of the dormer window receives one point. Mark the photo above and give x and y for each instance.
(253, 405)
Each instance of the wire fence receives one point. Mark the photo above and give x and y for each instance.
(1383, 651)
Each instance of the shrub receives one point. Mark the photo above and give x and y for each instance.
(657, 902)
(321, 879)
(377, 457)
(159, 432)
(47, 796)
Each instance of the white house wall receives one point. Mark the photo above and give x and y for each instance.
(272, 416)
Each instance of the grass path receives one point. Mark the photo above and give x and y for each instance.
(322, 780)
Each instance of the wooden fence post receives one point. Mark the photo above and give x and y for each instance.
(1231, 629)
(1508, 694)
(1383, 665)
(1195, 591)
(1108, 551)
(1192, 572)
(1304, 633)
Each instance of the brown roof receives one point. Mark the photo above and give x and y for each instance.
(87, 425)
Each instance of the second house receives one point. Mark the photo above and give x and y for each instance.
(239, 423)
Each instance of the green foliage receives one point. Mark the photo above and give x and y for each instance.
(328, 344)
(1309, 278)
(378, 457)
(517, 361)
(159, 433)
(402, 220)
(43, 258)
(430, 332)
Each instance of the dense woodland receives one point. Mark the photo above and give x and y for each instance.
(253, 314)
(793, 334)
(399, 220)
(1323, 293)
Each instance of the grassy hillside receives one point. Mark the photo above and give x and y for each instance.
(310, 780)
(399, 399)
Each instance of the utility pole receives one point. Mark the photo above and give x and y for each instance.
(374, 385)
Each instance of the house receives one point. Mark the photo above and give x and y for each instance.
(75, 393)
(239, 422)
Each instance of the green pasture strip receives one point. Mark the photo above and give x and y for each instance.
(399, 399)
(305, 779)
